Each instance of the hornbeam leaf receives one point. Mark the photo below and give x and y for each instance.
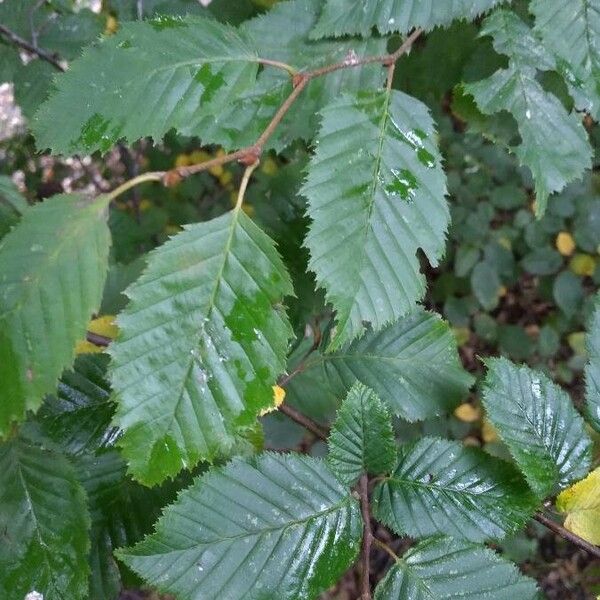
(122, 512)
(150, 77)
(43, 525)
(442, 487)
(362, 437)
(443, 568)
(273, 526)
(242, 121)
(539, 424)
(201, 344)
(340, 17)
(571, 30)
(78, 417)
(554, 143)
(52, 270)
(592, 369)
(412, 366)
(376, 195)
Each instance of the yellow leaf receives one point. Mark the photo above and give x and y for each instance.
(505, 243)
(269, 166)
(577, 342)
(199, 156)
(111, 25)
(278, 398)
(104, 326)
(488, 432)
(182, 160)
(581, 503)
(467, 413)
(583, 265)
(502, 291)
(565, 243)
(85, 347)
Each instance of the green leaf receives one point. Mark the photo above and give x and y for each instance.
(243, 120)
(376, 193)
(122, 512)
(592, 369)
(43, 525)
(53, 266)
(538, 423)
(147, 79)
(442, 487)
(443, 568)
(341, 17)
(78, 417)
(273, 526)
(412, 365)
(570, 30)
(201, 344)
(362, 439)
(485, 284)
(12, 205)
(554, 143)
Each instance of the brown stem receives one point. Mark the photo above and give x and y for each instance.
(567, 535)
(97, 339)
(303, 420)
(250, 154)
(365, 555)
(16, 39)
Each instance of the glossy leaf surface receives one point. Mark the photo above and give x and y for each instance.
(202, 342)
(376, 194)
(443, 568)
(362, 438)
(274, 526)
(442, 487)
(44, 524)
(341, 17)
(539, 424)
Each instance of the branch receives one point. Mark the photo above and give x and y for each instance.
(567, 535)
(303, 420)
(17, 40)
(250, 154)
(365, 554)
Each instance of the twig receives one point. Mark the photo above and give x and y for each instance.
(303, 420)
(385, 547)
(97, 339)
(250, 154)
(11, 36)
(365, 554)
(567, 535)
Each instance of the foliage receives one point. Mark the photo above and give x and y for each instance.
(225, 369)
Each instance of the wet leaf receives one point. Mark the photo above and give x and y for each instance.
(360, 16)
(150, 77)
(554, 143)
(52, 267)
(443, 568)
(538, 422)
(443, 487)
(362, 438)
(376, 195)
(273, 526)
(43, 525)
(202, 343)
(412, 366)
(592, 369)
